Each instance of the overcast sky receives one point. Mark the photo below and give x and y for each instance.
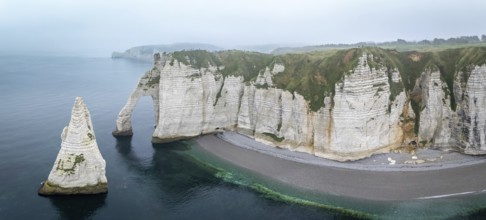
(98, 27)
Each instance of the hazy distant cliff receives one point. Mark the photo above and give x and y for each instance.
(146, 53)
(342, 105)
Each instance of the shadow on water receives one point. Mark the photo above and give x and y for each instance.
(172, 172)
(178, 172)
(78, 207)
(180, 179)
(124, 145)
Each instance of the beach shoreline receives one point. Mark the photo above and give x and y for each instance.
(420, 160)
(450, 174)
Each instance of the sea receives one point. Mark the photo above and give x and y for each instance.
(149, 181)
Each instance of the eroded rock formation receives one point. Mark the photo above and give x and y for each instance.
(79, 166)
(365, 110)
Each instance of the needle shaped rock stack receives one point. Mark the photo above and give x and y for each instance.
(79, 166)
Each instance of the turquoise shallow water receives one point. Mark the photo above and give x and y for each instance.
(459, 207)
(170, 181)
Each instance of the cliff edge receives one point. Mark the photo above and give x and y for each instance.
(341, 105)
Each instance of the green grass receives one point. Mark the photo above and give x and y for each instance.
(452, 61)
(400, 47)
(274, 137)
(77, 160)
(246, 64)
(231, 62)
(314, 74)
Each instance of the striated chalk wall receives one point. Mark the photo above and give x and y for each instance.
(363, 117)
(79, 166)
(470, 132)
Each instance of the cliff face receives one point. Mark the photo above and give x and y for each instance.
(344, 107)
(145, 53)
(471, 121)
(79, 166)
(148, 85)
(436, 114)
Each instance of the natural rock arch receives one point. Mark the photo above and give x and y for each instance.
(148, 85)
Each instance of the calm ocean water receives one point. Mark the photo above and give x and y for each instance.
(170, 181)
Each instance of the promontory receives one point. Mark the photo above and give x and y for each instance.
(340, 104)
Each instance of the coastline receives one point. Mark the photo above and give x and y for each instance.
(425, 159)
(368, 179)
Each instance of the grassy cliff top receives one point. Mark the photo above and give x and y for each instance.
(315, 74)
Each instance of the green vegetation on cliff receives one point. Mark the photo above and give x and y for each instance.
(238, 63)
(399, 45)
(314, 75)
(451, 62)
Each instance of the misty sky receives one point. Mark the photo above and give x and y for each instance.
(98, 27)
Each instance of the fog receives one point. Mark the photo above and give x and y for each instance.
(96, 28)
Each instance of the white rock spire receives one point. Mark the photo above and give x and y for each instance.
(79, 166)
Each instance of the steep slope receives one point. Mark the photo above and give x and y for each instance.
(342, 105)
(79, 166)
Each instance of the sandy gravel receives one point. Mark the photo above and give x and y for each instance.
(381, 177)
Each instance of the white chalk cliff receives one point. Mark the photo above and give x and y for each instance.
(369, 111)
(145, 53)
(79, 167)
(470, 131)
